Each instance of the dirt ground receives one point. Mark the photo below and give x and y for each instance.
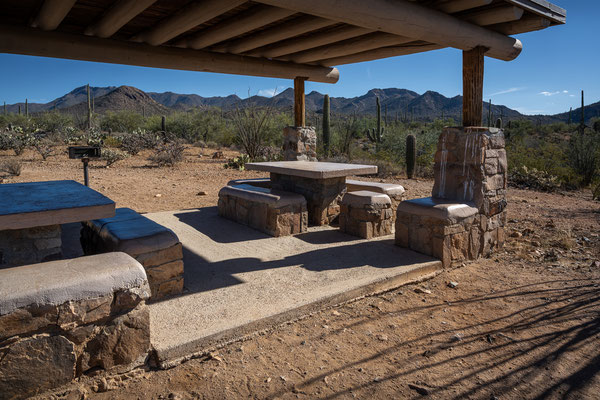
(522, 324)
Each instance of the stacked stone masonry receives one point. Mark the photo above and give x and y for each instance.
(45, 344)
(30, 245)
(272, 212)
(323, 196)
(299, 143)
(155, 247)
(394, 191)
(470, 168)
(366, 214)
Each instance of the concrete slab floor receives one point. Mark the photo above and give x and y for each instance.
(239, 281)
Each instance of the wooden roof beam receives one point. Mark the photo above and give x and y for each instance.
(319, 39)
(404, 18)
(290, 29)
(52, 13)
(16, 40)
(253, 19)
(382, 52)
(189, 17)
(119, 14)
(528, 23)
(493, 16)
(454, 6)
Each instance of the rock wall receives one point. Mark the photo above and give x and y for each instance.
(44, 345)
(31, 245)
(299, 143)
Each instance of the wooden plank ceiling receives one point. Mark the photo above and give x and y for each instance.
(279, 38)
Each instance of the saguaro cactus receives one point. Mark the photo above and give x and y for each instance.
(26, 108)
(411, 155)
(582, 123)
(570, 115)
(4, 108)
(163, 123)
(19, 109)
(499, 123)
(326, 126)
(89, 107)
(376, 136)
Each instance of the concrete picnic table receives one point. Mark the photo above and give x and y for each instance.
(31, 215)
(321, 183)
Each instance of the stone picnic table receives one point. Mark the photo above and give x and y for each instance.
(321, 183)
(31, 214)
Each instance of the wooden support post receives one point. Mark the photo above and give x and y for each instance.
(473, 86)
(299, 106)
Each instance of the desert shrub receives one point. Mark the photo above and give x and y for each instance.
(238, 163)
(199, 143)
(16, 139)
(44, 147)
(168, 154)
(112, 141)
(11, 167)
(584, 155)
(527, 178)
(139, 140)
(111, 156)
(270, 153)
(212, 145)
(54, 121)
(72, 136)
(251, 123)
(122, 121)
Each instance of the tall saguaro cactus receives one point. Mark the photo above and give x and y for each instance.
(163, 123)
(411, 155)
(89, 107)
(376, 136)
(326, 126)
(26, 108)
(570, 115)
(4, 108)
(582, 123)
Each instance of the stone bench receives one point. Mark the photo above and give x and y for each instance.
(276, 213)
(62, 319)
(448, 230)
(258, 182)
(393, 190)
(366, 214)
(157, 248)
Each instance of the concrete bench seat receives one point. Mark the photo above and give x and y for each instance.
(366, 214)
(277, 213)
(393, 190)
(258, 182)
(447, 210)
(61, 319)
(156, 247)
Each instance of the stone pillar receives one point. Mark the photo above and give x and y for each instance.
(30, 245)
(470, 166)
(299, 143)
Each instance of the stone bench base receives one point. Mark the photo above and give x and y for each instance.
(30, 245)
(62, 319)
(155, 247)
(394, 191)
(276, 213)
(450, 231)
(366, 214)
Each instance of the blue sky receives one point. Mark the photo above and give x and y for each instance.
(555, 65)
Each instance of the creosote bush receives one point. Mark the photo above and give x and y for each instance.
(111, 156)
(168, 154)
(11, 167)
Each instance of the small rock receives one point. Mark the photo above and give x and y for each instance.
(422, 390)
(595, 264)
(377, 379)
(382, 338)
(516, 234)
(158, 195)
(303, 342)
(336, 313)
(422, 290)
(214, 356)
(268, 380)
(452, 284)
(457, 337)
(283, 378)
(201, 193)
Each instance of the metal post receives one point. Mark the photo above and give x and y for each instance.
(85, 171)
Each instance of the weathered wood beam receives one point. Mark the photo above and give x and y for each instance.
(405, 18)
(528, 23)
(382, 52)
(52, 13)
(189, 17)
(453, 6)
(296, 45)
(255, 18)
(17, 40)
(117, 16)
(350, 46)
(493, 16)
(290, 29)
(299, 102)
(473, 86)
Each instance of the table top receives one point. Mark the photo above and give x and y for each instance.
(313, 169)
(31, 204)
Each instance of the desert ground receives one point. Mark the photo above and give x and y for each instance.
(522, 324)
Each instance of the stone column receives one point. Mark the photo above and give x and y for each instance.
(299, 143)
(470, 166)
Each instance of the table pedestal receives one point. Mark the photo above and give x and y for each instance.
(322, 195)
(30, 245)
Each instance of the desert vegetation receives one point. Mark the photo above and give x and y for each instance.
(543, 157)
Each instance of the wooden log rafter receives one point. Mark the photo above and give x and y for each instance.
(453, 6)
(299, 102)
(34, 42)
(189, 17)
(117, 16)
(52, 13)
(405, 18)
(257, 17)
(382, 52)
(528, 23)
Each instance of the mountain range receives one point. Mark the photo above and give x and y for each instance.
(395, 103)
